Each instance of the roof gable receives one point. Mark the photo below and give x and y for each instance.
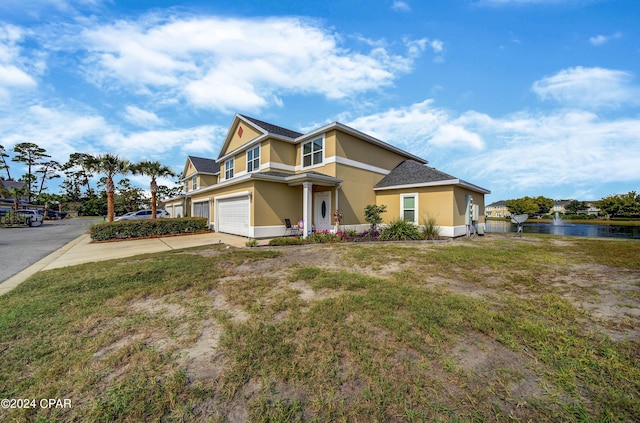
(200, 165)
(262, 130)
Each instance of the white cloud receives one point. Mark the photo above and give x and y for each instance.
(572, 150)
(155, 144)
(141, 117)
(62, 131)
(400, 6)
(449, 135)
(235, 63)
(589, 88)
(59, 131)
(599, 40)
(14, 72)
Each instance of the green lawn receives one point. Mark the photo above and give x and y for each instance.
(494, 328)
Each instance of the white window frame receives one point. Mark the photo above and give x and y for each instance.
(313, 152)
(194, 183)
(253, 163)
(229, 168)
(415, 206)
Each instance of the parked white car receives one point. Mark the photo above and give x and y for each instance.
(32, 216)
(143, 214)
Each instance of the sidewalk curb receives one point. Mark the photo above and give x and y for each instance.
(23, 275)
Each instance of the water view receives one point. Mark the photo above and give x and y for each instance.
(565, 228)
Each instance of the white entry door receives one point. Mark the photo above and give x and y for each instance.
(322, 210)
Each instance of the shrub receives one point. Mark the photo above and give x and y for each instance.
(372, 214)
(400, 230)
(147, 228)
(278, 242)
(322, 237)
(429, 229)
(251, 243)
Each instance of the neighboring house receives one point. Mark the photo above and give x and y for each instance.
(559, 206)
(5, 194)
(498, 209)
(265, 174)
(591, 208)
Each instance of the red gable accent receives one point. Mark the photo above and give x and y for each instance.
(240, 131)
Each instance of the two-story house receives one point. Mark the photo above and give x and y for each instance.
(497, 209)
(265, 174)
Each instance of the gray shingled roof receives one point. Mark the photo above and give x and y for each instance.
(274, 129)
(410, 172)
(205, 165)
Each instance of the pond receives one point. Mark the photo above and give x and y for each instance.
(566, 228)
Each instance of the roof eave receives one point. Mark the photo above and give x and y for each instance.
(459, 182)
(359, 134)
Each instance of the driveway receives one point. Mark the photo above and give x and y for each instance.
(22, 246)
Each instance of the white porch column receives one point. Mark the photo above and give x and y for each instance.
(307, 188)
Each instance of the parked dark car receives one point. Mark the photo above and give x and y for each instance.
(53, 214)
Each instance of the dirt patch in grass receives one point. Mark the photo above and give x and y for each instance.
(483, 329)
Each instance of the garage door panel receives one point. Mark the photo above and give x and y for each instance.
(233, 216)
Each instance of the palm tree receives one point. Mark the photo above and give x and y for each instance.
(153, 170)
(110, 165)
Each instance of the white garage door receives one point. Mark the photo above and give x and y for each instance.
(177, 211)
(233, 216)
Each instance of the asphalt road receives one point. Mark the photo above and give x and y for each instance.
(21, 247)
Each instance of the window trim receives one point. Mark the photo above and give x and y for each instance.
(312, 153)
(229, 168)
(415, 206)
(252, 166)
(194, 183)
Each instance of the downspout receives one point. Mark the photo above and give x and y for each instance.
(337, 204)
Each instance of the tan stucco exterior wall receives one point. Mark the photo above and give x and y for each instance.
(276, 202)
(356, 192)
(461, 204)
(353, 148)
(436, 202)
(277, 151)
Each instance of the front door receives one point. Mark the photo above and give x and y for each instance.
(322, 210)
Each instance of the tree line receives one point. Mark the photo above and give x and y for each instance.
(618, 205)
(76, 192)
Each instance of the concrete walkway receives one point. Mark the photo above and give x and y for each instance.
(82, 250)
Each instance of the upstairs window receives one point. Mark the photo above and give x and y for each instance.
(228, 169)
(194, 183)
(253, 159)
(312, 152)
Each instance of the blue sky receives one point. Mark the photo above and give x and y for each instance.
(522, 97)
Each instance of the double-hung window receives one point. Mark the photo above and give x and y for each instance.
(194, 183)
(228, 169)
(253, 159)
(312, 152)
(409, 207)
